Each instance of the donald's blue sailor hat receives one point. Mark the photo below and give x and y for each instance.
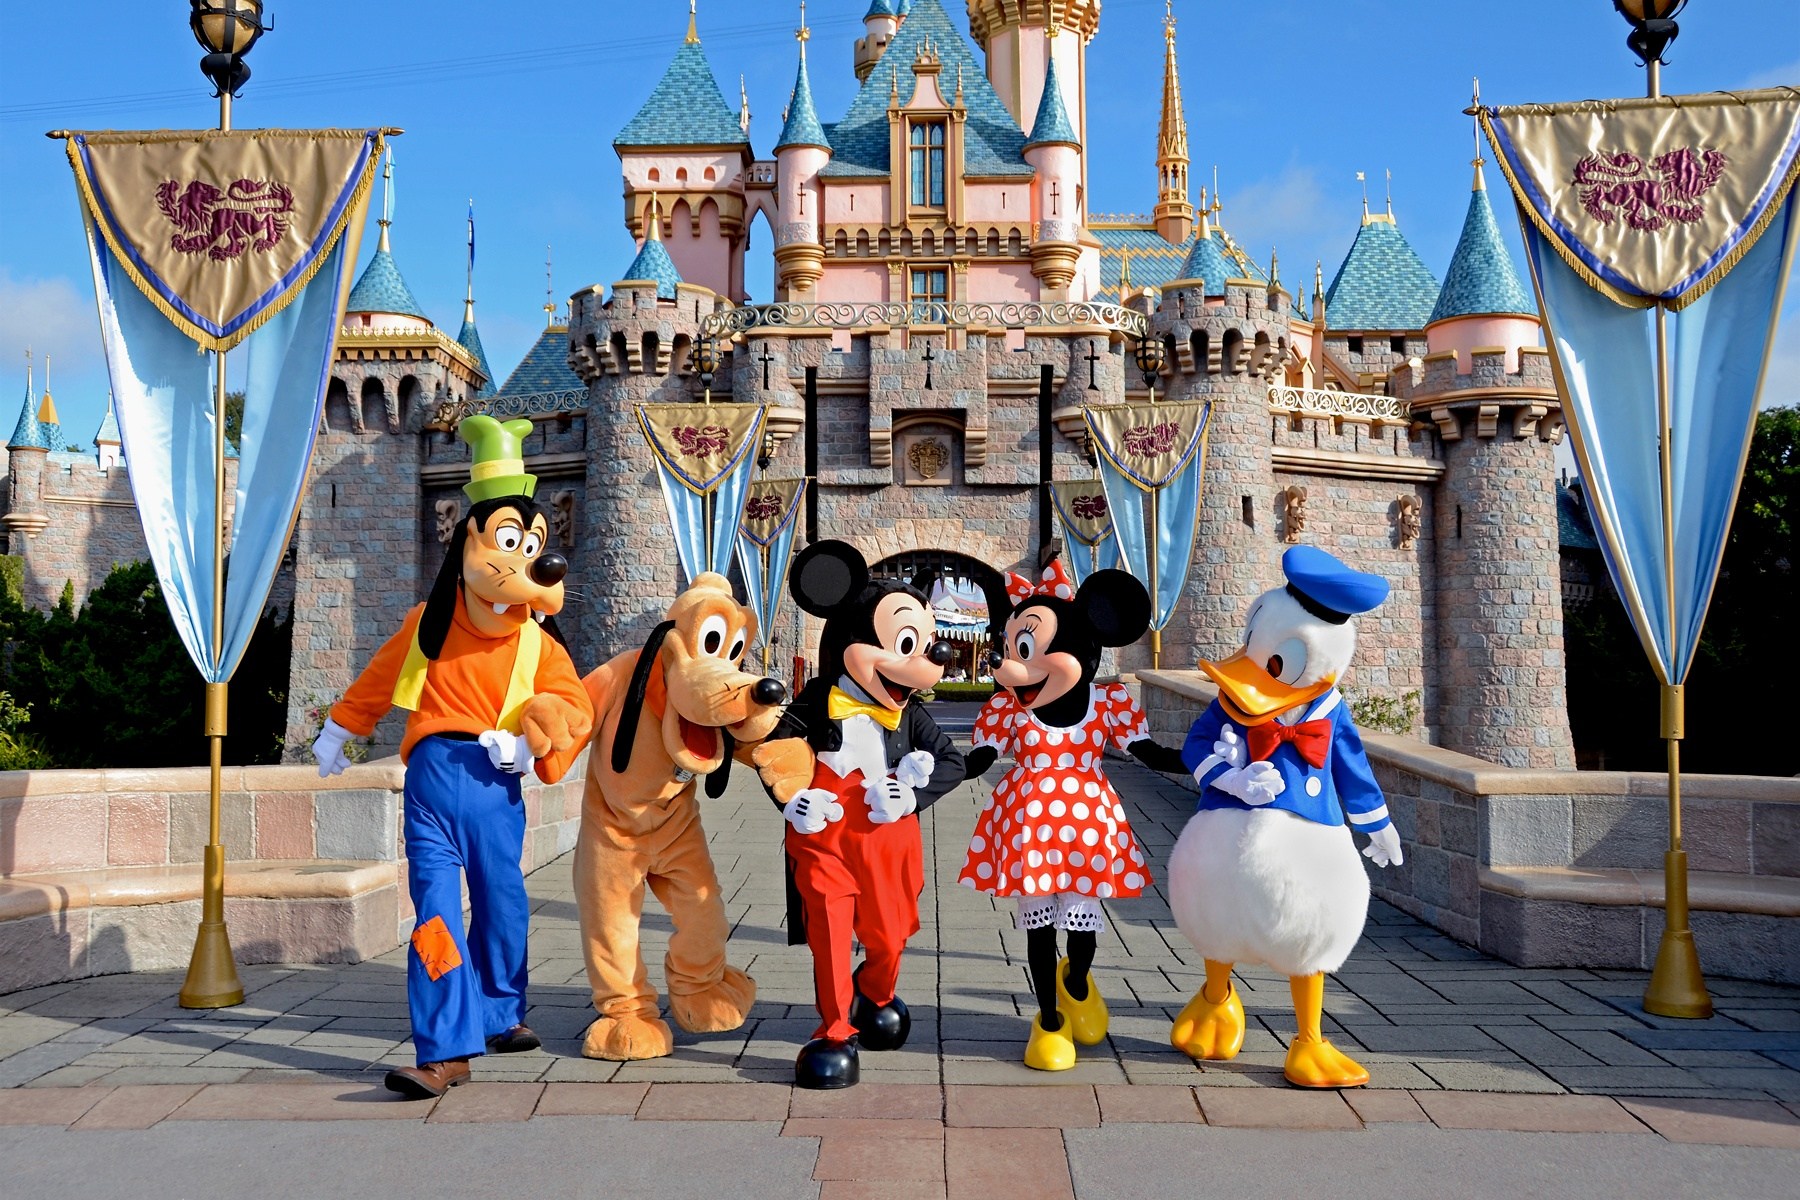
(1328, 589)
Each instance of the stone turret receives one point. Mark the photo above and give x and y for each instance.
(800, 155)
(27, 451)
(1482, 304)
(1054, 151)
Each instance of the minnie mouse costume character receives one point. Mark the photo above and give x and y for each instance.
(851, 764)
(1054, 834)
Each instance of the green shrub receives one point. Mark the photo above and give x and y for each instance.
(1388, 714)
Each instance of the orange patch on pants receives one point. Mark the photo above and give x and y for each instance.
(436, 948)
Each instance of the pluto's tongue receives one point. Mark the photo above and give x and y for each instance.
(700, 741)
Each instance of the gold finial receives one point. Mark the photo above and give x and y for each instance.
(803, 35)
(1318, 277)
(1169, 20)
(1364, 180)
(1390, 195)
(1274, 268)
(959, 90)
(653, 219)
(1205, 214)
(1480, 184)
(549, 289)
(46, 413)
(693, 33)
(1216, 206)
(1124, 272)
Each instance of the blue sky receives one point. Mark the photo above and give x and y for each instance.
(1289, 99)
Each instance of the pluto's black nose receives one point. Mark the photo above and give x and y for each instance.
(768, 692)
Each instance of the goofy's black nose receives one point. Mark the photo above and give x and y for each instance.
(768, 692)
(547, 570)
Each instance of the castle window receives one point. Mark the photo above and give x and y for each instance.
(927, 164)
(1356, 345)
(1397, 344)
(930, 290)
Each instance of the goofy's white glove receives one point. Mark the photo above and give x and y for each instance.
(507, 751)
(328, 749)
(1256, 785)
(1384, 847)
(811, 810)
(915, 769)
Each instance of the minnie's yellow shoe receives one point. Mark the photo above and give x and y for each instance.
(1085, 1020)
(1316, 1063)
(1049, 1050)
(1208, 1030)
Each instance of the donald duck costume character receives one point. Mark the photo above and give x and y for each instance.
(1266, 870)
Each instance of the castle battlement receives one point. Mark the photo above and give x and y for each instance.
(1486, 397)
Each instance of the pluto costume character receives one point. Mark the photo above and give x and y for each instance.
(493, 696)
(1266, 870)
(676, 709)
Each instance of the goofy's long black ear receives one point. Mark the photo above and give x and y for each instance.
(715, 782)
(826, 576)
(1115, 606)
(440, 606)
(626, 734)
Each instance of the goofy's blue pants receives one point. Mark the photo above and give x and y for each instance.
(463, 817)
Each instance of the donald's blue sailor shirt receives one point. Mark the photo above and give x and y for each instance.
(1344, 786)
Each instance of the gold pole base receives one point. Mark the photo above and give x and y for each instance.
(1677, 989)
(212, 978)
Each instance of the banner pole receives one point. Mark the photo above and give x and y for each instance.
(212, 978)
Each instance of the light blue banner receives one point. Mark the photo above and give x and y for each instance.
(1177, 520)
(1718, 348)
(163, 397)
(765, 567)
(688, 511)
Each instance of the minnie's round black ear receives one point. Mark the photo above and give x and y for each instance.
(1115, 606)
(826, 576)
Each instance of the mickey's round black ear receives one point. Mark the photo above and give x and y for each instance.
(1115, 606)
(826, 576)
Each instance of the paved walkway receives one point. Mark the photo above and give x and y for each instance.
(1452, 1039)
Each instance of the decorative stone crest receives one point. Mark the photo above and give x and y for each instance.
(447, 512)
(1408, 520)
(1293, 510)
(928, 457)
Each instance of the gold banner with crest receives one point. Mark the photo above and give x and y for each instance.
(222, 229)
(701, 444)
(1081, 506)
(1150, 444)
(1651, 200)
(770, 508)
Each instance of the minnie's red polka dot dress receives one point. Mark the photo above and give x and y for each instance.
(1054, 824)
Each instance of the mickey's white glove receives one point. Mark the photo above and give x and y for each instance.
(507, 751)
(811, 810)
(915, 769)
(1231, 748)
(328, 749)
(1256, 785)
(888, 800)
(1384, 847)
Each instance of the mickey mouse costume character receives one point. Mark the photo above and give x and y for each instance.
(1266, 870)
(1054, 834)
(492, 697)
(851, 764)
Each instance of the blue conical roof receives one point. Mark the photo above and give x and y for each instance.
(109, 428)
(28, 434)
(1206, 259)
(1382, 283)
(685, 109)
(880, 8)
(802, 127)
(469, 338)
(1481, 279)
(1052, 123)
(381, 288)
(544, 370)
(653, 262)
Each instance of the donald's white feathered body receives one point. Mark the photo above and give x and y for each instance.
(1266, 871)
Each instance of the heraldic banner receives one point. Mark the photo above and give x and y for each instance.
(1687, 204)
(208, 239)
(1152, 457)
(704, 457)
(1086, 517)
(765, 544)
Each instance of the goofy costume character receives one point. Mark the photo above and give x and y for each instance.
(851, 764)
(493, 696)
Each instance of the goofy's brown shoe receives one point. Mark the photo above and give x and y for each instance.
(516, 1040)
(428, 1080)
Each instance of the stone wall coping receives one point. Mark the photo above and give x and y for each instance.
(117, 887)
(384, 774)
(1710, 891)
(1478, 777)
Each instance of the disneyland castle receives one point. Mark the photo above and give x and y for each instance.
(941, 282)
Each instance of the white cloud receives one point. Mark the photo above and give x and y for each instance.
(51, 316)
(1784, 76)
(1280, 211)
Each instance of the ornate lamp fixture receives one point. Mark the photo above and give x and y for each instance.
(706, 363)
(1149, 358)
(226, 29)
(1653, 26)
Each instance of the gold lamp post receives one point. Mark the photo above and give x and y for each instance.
(1676, 988)
(226, 29)
(1148, 355)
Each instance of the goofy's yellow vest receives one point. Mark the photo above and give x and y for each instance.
(519, 687)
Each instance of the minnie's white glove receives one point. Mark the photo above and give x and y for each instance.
(1231, 748)
(915, 769)
(1384, 847)
(889, 800)
(811, 810)
(328, 749)
(1256, 785)
(507, 751)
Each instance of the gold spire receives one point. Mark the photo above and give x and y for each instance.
(1124, 273)
(46, 413)
(1174, 216)
(803, 35)
(693, 33)
(1205, 215)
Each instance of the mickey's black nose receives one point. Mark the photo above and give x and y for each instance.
(547, 570)
(942, 653)
(768, 692)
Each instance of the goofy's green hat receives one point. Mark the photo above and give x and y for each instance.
(499, 466)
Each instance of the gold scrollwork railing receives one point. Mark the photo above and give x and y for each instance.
(848, 315)
(1355, 406)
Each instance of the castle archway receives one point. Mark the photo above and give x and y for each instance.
(960, 594)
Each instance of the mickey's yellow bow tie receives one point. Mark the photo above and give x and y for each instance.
(841, 704)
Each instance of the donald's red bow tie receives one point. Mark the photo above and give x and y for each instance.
(1311, 738)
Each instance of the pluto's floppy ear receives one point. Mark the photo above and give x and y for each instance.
(715, 782)
(626, 734)
(1115, 606)
(440, 606)
(826, 576)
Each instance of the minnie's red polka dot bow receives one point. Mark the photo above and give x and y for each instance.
(1053, 582)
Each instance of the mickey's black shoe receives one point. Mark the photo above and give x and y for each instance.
(827, 1063)
(880, 1026)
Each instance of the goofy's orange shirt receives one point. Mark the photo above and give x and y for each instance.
(465, 687)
